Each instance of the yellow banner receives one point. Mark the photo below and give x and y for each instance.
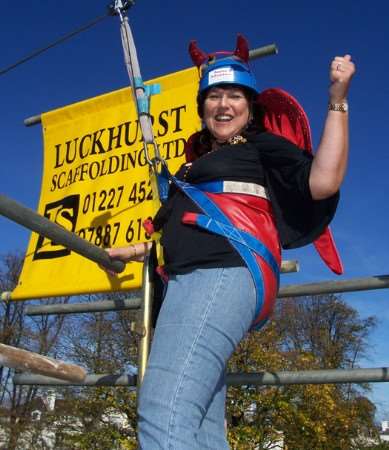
(96, 183)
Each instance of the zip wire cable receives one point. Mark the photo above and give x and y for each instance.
(139, 90)
(57, 42)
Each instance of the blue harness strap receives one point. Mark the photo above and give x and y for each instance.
(163, 184)
(245, 244)
(240, 236)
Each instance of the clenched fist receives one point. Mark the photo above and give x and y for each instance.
(341, 72)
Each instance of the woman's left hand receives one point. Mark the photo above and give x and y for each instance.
(341, 71)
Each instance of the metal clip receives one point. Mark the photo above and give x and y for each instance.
(143, 102)
(156, 159)
(118, 7)
(138, 330)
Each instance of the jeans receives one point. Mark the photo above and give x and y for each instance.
(204, 316)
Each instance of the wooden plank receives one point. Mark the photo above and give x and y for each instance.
(20, 359)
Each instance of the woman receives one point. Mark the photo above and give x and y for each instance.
(242, 194)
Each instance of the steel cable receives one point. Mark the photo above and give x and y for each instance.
(57, 42)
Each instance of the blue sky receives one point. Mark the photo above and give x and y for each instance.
(308, 35)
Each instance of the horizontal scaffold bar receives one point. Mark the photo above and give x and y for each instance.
(90, 380)
(35, 222)
(255, 53)
(289, 266)
(77, 308)
(330, 376)
(329, 287)
(326, 287)
(110, 305)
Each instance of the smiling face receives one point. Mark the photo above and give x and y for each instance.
(226, 112)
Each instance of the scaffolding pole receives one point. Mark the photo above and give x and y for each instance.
(111, 305)
(79, 308)
(144, 325)
(331, 376)
(90, 380)
(42, 225)
(329, 287)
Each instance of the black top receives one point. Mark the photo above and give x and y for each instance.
(265, 159)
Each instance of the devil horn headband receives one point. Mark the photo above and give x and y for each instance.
(242, 48)
(199, 57)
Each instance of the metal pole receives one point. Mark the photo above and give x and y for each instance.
(329, 287)
(90, 380)
(78, 308)
(333, 376)
(259, 52)
(110, 305)
(357, 284)
(33, 120)
(144, 325)
(42, 225)
(289, 266)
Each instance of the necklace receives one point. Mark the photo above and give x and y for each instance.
(234, 140)
(238, 139)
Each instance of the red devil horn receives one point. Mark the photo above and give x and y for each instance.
(198, 56)
(242, 48)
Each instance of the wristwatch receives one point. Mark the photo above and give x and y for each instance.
(342, 107)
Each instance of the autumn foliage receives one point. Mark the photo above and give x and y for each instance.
(310, 333)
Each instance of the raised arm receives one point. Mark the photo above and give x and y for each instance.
(330, 161)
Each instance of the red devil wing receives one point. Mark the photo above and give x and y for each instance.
(285, 117)
(325, 246)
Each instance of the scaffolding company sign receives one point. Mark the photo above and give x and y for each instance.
(96, 183)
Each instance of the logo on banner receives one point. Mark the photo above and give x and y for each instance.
(63, 212)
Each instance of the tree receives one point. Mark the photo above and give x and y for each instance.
(11, 313)
(40, 335)
(106, 345)
(325, 326)
(309, 333)
(102, 343)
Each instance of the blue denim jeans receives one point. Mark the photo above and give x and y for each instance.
(204, 316)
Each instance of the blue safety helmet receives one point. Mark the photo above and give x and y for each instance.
(228, 70)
